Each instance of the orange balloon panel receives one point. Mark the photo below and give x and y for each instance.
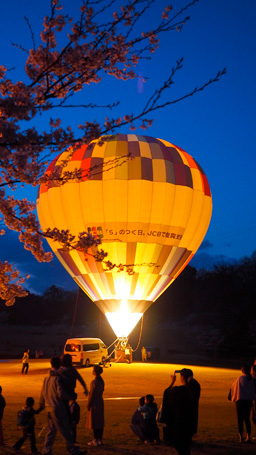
(150, 211)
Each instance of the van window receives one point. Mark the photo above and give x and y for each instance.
(91, 347)
(72, 347)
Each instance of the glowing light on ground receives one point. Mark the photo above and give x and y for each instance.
(123, 321)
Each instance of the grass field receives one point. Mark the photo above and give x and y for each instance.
(124, 384)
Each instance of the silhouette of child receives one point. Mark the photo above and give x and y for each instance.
(138, 423)
(149, 411)
(75, 416)
(28, 430)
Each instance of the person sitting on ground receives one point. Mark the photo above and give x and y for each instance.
(149, 411)
(138, 423)
(26, 423)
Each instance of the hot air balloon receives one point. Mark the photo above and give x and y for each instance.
(151, 214)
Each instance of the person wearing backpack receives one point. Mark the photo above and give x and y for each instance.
(26, 423)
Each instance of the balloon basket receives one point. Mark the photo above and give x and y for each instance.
(123, 351)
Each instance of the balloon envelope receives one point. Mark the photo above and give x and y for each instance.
(151, 213)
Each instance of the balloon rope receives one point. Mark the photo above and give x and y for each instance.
(116, 360)
(74, 316)
(109, 355)
(112, 344)
(141, 325)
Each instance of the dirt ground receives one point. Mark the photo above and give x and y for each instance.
(124, 384)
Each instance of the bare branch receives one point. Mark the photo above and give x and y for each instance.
(31, 32)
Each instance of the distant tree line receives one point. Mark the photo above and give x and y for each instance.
(205, 312)
(211, 312)
(55, 306)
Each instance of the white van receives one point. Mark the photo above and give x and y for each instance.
(86, 351)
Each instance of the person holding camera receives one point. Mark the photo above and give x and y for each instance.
(177, 414)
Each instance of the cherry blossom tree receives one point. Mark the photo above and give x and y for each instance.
(105, 40)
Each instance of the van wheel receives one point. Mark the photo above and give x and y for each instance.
(87, 363)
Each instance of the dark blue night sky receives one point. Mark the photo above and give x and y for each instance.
(217, 126)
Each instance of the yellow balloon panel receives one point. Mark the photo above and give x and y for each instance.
(157, 205)
(195, 220)
(90, 193)
(133, 202)
(182, 206)
(71, 208)
(168, 196)
(55, 208)
(202, 225)
(120, 197)
(151, 213)
(146, 201)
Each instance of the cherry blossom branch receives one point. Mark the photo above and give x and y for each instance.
(92, 49)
